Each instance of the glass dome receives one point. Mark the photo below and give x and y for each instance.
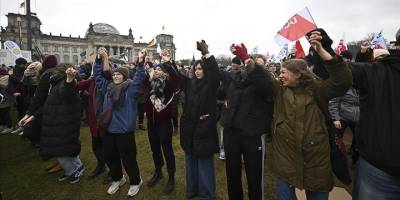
(104, 28)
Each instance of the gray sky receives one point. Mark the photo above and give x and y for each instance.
(219, 22)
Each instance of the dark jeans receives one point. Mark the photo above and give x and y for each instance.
(200, 176)
(252, 149)
(98, 150)
(140, 112)
(160, 137)
(286, 192)
(372, 183)
(353, 147)
(119, 147)
(5, 117)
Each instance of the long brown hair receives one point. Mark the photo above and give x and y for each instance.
(299, 66)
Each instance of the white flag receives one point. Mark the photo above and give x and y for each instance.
(378, 42)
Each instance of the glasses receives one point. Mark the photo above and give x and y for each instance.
(117, 74)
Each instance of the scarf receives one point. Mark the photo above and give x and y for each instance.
(116, 92)
(157, 93)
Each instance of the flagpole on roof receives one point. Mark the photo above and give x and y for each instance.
(311, 16)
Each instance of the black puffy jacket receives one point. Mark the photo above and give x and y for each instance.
(198, 122)
(61, 119)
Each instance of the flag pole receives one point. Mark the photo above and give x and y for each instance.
(311, 16)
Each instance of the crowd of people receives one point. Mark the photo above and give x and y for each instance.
(302, 107)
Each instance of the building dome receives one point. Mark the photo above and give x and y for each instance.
(104, 28)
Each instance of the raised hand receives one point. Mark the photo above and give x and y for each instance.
(103, 53)
(71, 73)
(315, 40)
(142, 54)
(240, 51)
(202, 47)
(165, 55)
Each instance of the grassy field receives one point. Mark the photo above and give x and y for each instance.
(22, 174)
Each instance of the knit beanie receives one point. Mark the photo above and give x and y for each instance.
(20, 61)
(124, 71)
(380, 52)
(236, 60)
(49, 61)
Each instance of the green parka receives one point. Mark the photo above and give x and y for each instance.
(300, 145)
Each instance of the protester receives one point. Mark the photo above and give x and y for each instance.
(93, 108)
(198, 135)
(300, 145)
(18, 71)
(30, 82)
(8, 91)
(245, 119)
(345, 111)
(377, 174)
(61, 122)
(119, 111)
(163, 80)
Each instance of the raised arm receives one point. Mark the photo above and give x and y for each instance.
(254, 72)
(210, 64)
(340, 79)
(101, 64)
(140, 74)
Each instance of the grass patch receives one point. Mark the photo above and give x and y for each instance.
(23, 176)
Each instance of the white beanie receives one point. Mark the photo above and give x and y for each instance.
(380, 52)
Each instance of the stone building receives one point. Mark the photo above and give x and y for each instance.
(69, 49)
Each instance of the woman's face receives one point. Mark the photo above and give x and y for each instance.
(288, 78)
(158, 72)
(118, 78)
(260, 61)
(199, 71)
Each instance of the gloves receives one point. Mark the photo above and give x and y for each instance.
(240, 51)
(202, 47)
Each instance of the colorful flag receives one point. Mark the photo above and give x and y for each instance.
(299, 50)
(296, 27)
(341, 46)
(378, 42)
(152, 43)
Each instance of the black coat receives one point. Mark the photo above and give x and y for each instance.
(249, 101)
(378, 131)
(61, 120)
(198, 136)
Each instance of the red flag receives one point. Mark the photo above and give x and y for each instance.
(299, 50)
(297, 26)
(341, 46)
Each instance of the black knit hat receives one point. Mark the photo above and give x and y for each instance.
(236, 60)
(124, 71)
(20, 61)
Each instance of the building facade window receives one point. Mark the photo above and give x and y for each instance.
(75, 59)
(66, 49)
(66, 58)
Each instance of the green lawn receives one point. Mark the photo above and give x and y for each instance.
(22, 174)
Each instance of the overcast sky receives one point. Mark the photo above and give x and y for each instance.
(219, 22)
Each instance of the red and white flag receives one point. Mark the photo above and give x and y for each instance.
(296, 27)
(341, 46)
